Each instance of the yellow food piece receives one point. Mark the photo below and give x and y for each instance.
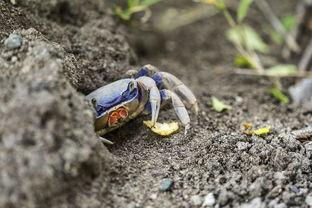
(163, 129)
(247, 129)
(262, 131)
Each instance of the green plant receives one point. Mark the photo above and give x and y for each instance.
(218, 105)
(249, 45)
(133, 6)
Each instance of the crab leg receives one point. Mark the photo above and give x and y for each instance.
(167, 81)
(172, 83)
(147, 71)
(178, 106)
(154, 96)
(106, 141)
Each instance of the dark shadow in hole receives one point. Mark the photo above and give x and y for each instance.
(125, 134)
(63, 14)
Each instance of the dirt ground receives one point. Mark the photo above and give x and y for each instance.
(214, 165)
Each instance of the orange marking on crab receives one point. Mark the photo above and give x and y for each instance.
(119, 114)
(122, 112)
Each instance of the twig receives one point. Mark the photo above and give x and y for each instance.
(306, 58)
(172, 19)
(251, 72)
(147, 15)
(301, 13)
(277, 25)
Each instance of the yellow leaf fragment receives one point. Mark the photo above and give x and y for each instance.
(262, 131)
(163, 129)
(247, 129)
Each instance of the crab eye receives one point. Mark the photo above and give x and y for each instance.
(93, 101)
(131, 86)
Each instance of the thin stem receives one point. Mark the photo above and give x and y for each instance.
(306, 58)
(229, 17)
(249, 53)
(277, 25)
(250, 72)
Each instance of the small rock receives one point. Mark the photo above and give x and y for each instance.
(238, 99)
(255, 203)
(131, 205)
(209, 200)
(242, 146)
(308, 200)
(308, 147)
(276, 205)
(302, 91)
(153, 196)
(14, 59)
(197, 200)
(13, 41)
(166, 185)
(280, 205)
(294, 189)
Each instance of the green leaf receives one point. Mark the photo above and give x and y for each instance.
(279, 95)
(134, 6)
(122, 14)
(248, 38)
(133, 3)
(149, 3)
(289, 22)
(276, 37)
(243, 62)
(282, 70)
(243, 8)
(219, 106)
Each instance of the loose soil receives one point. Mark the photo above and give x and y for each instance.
(215, 157)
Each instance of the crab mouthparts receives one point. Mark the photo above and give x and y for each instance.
(117, 116)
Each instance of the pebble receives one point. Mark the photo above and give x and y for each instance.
(274, 204)
(209, 200)
(153, 196)
(308, 147)
(242, 146)
(14, 59)
(166, 185)
(255, 203)
(13, 41)
(302, 91)
(238, 99)
(308, 200)
(197, 200)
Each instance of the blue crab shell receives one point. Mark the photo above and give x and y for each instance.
(125, 94)
(113, 94)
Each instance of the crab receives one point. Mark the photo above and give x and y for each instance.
(143, 91)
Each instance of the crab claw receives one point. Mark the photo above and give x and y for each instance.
(154, 96)
(178, 106)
